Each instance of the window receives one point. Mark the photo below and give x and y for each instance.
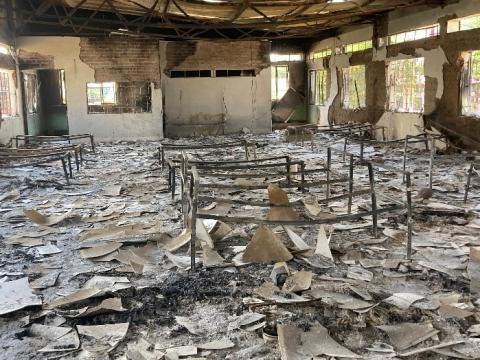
(406, 85)
(416, 34)
(5, 100)
(285, 57)
(234, 73)
(31, 92)
(320, 54)
(119, 97)
(465, 23)
(190, 73)
(63, 95)
(471, 84)
(318, 87)
(358, 46)
(279, 81)
(354, 87)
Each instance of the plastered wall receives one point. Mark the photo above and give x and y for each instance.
(216, 105)
(443, 60)
(66, 55)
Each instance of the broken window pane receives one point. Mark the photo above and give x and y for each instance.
(354, 87)
(358, 46)
(279, 81)
(471, 84)
(119, 97)
(406, 85)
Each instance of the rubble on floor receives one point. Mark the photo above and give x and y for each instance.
(100, 268)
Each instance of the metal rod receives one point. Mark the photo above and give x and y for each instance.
(404, 164)
(430, 170)
(329, 165)
(374, 200)
(350, 185)
(409, 216)
(467, 185)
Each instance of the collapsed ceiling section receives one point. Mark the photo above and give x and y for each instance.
(198, 19)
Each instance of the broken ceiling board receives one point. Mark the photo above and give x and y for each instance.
(75, 297)
(284, 108)
(101, 250)
(16, 295)
(281, 209)
(296, 344)
(406, 335)
(102, 338)
(300, 281)
(266, 247)
(297, 240)
(179, 241)
(40, 219)
(323, 244)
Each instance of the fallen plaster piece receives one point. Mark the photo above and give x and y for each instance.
(179, 241)
(297, 240)
(313, 207)
(219, 230)
(473, 270)
(98, 251)
(103, 337)
(271, 292)
(405, 335)
(403, 300)
(300, 281)
(108, 283)
(323, 244)
(182, 351)
(295, 344)
(266, 247)
(217, 345)
(191, 325)
(181, 261)
(16, 295)
(398, 235)
(40, 219)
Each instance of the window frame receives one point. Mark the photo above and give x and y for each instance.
(466, 84)
(393, 83)
(412, 34)
(315, 95)
(275, 81)
(7, 92)
(346, 89)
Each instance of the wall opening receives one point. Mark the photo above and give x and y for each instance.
(354, 87)
(471, 84)
(119, 97)
(406, 85)
(279, 81)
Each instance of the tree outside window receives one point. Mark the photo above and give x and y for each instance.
(354, 87)
(406, 85)
(471, 84)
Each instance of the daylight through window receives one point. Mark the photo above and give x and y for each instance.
(354, 87)
(406, 85)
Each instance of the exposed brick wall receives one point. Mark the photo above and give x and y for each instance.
(122, 59)
(211, 55)
(34, 60)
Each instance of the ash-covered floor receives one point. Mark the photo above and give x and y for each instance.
(102, 285)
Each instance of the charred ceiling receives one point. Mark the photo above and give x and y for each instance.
(197, 19)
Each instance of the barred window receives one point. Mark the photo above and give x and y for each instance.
(406, 85)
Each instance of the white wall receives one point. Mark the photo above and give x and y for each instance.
(66, 52)
(241, 102)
